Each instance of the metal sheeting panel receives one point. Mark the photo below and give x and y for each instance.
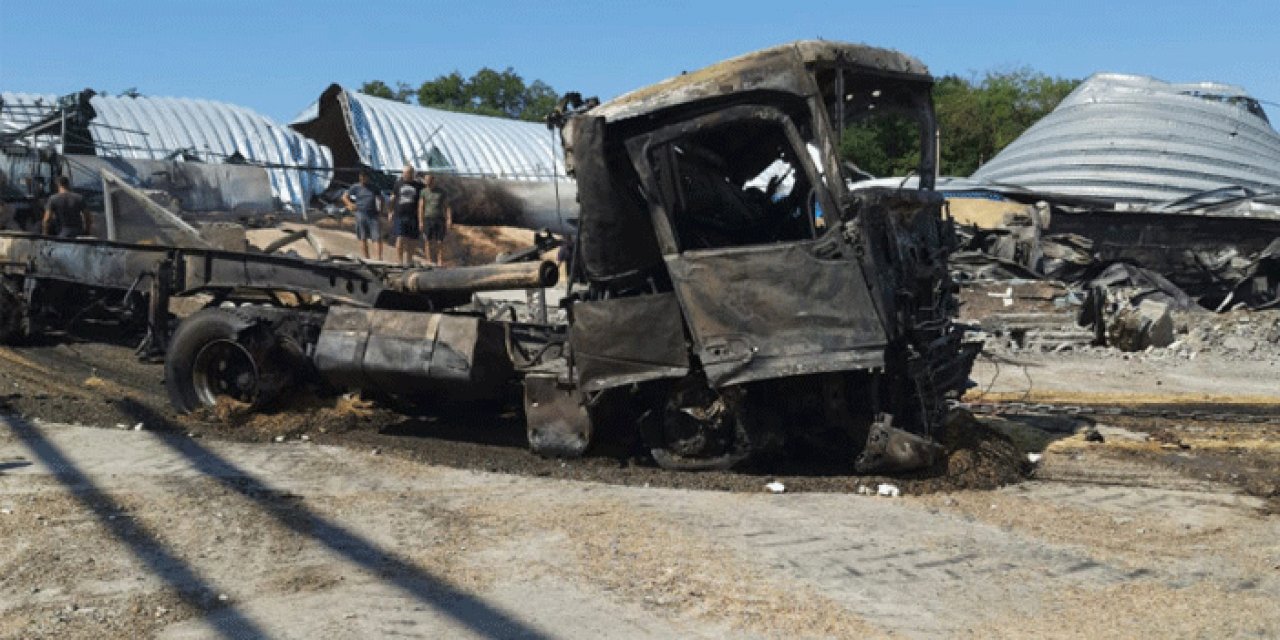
(388, 134)
(1137, 139)
(153, 128)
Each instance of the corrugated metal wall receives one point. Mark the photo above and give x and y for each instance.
(155, 127)
(388, 134)
(1138, 139)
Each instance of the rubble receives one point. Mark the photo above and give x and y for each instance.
(888, 491)
(1121, 302)
(1150, 324)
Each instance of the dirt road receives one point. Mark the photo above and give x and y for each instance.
(128, 533)
(362, 523)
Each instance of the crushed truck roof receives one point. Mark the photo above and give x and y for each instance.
(760, 70)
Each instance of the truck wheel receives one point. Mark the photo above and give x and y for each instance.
(218, 355)
(13, 314)
(699, 430)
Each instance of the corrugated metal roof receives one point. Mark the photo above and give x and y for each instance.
(1137, 139)
(155, 127)
(387, 134)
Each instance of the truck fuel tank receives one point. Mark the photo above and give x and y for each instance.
(413, 355)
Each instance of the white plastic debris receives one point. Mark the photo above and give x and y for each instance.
(1034, 458)
(888, 491)
(137, 427)
(775, 487)
(864, 490)
(279, 438)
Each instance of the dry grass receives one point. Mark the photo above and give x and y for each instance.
(649, 559)
(1145, 609)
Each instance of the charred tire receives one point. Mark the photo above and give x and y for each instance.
(217, 353)
(13, 314)
(699, 429)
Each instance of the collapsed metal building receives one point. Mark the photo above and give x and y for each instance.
(167, 139)
(386, 134)
(500, 171)
(216, 157)
(1135, 139)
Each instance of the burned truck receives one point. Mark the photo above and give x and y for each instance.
(732, 297)
(739, 296)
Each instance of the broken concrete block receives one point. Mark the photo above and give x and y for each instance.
(1150, 324)
(1158, 317)
(1238, 343)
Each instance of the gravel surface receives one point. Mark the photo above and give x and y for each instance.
(136, 533)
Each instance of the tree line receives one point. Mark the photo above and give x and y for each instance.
(978, 116)
(487, 92)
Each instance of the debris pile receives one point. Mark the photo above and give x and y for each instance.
(1063, 291)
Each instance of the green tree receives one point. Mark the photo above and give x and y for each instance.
(496, 92)
(445, 92)
(487, 92)
(490, 92)
(539, 100)
(380, 89)
(887, 145)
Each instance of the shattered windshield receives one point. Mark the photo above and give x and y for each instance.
(738, 183)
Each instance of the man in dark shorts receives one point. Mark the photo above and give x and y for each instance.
(404, 218)
(362, 200)
(65, 213)
(435, 216)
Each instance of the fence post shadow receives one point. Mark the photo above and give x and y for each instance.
(467, 609)
(193, 589)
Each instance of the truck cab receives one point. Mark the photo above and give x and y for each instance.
(741, 297)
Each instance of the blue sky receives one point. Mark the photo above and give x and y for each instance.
(277, 57)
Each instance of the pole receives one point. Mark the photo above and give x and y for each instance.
(62, 136)
(108, 208)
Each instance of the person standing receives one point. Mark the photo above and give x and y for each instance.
(436, 217)
(362, 200)
(403, 215)
(65, 213)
